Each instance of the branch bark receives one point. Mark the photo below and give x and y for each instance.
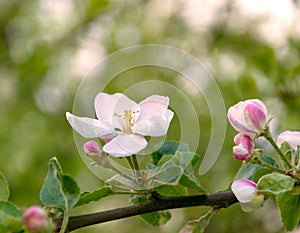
(157, 202)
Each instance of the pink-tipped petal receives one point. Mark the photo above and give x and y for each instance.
(156, 125)
(243, 189)
(125, 145)
(151, 106)
(240, 152)
(248, 116)
(107, 106)
(291, 137)
(88, 127)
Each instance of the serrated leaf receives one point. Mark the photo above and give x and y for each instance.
(275, 183)
(246, 171)
(59, 190)
(157, 218)
(4, 189)
(192, 182)
(171, 190)
(289, 206)
(87, 197)
(10, 217)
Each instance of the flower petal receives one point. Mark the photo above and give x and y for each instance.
(125, 145)
(291, 137)
(155, 126)
(151, 106)
(243, 189)
(107, 105)
(88, 127)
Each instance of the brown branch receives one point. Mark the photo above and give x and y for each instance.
(158, 202)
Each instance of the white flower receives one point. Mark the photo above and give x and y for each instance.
(122, 123)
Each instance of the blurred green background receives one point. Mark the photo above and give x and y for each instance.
(252, 48)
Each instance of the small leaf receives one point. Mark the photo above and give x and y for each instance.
(246, 171)
(171, 190)
(167, 175)
(192, 182)
(10, 217)
(4, 189)
(187, 160)
(275, 183)
(87, 197)
(168, 148)
(121, 183)
(289, 206)
(59, 190)
(199, 225)
(157, 218)
(261, 172)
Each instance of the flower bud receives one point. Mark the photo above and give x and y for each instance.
(92, 148)
(244, 189)
(248, 116)
(35, 219)
(244, 147)
(291, 137)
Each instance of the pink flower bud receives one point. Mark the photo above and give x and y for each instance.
(244, 189)
(248, 116)
(92, 148)
(291, 137)
(244, 147)
(35, 219)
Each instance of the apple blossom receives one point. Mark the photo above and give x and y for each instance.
(122, 123)
(291, 137)
(35, 219)
(244, 147)
(246, 193)
(249, 116)
(244, 189)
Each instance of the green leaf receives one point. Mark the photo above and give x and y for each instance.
(59, 190)
(246, 171)
(171, 190)
(168, 148)
(187, 160)
(275, 183)
(199, 225)
(157, 218)
(289, 206)
(87, 197)
(261, 172)
(167, 175)
(192, 182)
(10, 217)
(4, 189)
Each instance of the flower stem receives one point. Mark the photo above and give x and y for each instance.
(264, 164)
(136, 168)
(271, 140)
(65, 222)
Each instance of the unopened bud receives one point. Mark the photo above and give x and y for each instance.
(35, 219)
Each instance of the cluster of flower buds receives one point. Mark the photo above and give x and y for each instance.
(249, 118)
